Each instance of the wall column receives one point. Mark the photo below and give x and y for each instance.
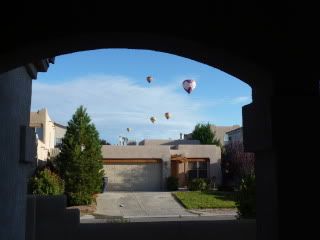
(278, 128)
(15, 101)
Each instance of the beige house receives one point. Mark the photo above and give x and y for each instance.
(235, 135)
(59, 132)
(46, 131)
(146, 167)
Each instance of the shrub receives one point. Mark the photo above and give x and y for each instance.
(246, 197)
(172, 183)
(236, 164)
(197, 184)
(46, 182)
(80, 198)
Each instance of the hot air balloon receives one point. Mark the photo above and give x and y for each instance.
(149, 79)
(153, 119)
(167, 115)
(189, 85)
(128, 129)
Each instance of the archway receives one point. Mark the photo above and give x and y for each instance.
(218, 58)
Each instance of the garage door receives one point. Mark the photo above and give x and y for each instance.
(133, 176)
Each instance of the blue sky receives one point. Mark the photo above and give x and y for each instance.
(111, 84)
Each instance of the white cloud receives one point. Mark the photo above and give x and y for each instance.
(240, 100)
(115, 103)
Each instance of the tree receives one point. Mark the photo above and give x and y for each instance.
(104, 142)
(204, 134)
(236, 163)
(80, 161)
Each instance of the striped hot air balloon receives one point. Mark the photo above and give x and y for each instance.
(149, 79)
(189, 85)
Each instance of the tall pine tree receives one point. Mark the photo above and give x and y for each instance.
(80, 160)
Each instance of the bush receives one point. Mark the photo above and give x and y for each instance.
(197, 184)
(246, 197)
(172, 183)
(80, 198)
(46, 182)
(236, 164)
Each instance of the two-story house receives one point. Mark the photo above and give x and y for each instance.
(48, 134)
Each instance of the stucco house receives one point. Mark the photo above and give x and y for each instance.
(146, 167)
(59, 132)
(48, 134)
(235, 135)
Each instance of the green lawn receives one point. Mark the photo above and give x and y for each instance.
(201, 200)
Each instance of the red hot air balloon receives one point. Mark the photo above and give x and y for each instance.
(189, 85)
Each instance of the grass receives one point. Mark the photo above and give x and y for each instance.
(208, 199)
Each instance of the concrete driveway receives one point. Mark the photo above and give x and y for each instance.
(140, 204)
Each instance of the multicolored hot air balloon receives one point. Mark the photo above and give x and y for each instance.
(149, 79)
(153, 119)
(189, 85)
(128, 129)
(167, 115)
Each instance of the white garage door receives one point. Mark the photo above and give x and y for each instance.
(133, 176)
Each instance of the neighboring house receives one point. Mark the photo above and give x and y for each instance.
(60, 131)
(220, 132)
(47, 132)
(132, 142)
(235, 135)
(146, 167)
(172, 143)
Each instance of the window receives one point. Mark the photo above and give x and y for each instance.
(192, 170)
(58, 141)
(202, 169)
(197, 169)
(226, 138)
(39, 133)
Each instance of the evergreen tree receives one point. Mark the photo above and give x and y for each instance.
(80, 160)
(203, 133)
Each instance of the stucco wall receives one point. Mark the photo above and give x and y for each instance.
(213, 153)
(148, 142)
(15, 101)
(42, 118)
(235, 135)
(159, 152)
(42, 151)
(203, 151)
(48, 131)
